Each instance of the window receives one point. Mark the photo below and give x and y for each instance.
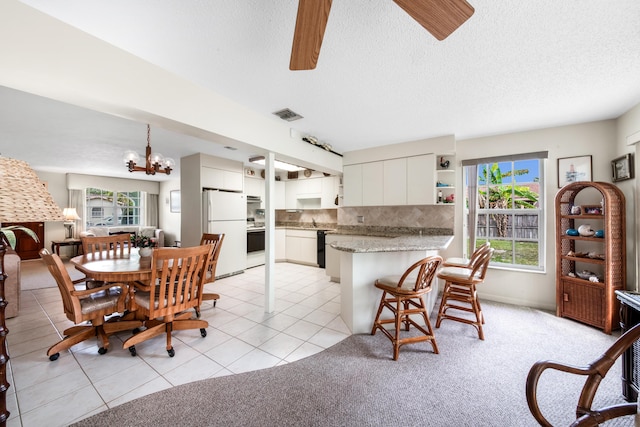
(108, 208)
(505, 206)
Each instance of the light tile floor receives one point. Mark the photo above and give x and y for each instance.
(241, 337)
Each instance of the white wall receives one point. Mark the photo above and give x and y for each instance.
(628, 141)
(597, 139)
(169, 221)
(57, 186)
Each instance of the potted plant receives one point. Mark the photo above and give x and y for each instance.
(145, 244)
(10, 235)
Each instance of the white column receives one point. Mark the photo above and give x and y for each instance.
(270, 234)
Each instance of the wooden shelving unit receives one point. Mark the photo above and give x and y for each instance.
(590, 302)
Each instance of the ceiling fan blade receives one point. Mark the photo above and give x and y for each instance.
(439, 17)
(307, 39)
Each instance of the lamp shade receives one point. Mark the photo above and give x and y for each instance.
(70, 214)
(23, 197)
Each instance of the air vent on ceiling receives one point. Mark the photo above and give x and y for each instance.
(288, 115)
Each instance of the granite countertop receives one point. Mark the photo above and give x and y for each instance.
(381, 231)
(396, 244)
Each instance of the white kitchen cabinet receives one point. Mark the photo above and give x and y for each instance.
(372, 183)
(280, 196)
(352, 185)
(301, 246)
(394, 188)
(254, 187)
(280, 244)
(309, 187)
(329, 192)
(421, 180)
(291, 194)
(221, 179)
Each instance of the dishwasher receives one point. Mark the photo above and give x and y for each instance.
(321, 249)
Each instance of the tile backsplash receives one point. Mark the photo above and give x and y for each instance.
(437, 218)
(413, 216)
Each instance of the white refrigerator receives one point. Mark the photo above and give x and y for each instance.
(226, 213)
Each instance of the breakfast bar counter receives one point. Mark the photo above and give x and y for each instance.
(362, 261)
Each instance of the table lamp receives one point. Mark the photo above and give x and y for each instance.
(23, 198)
(70, 218)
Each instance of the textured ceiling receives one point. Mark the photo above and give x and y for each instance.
(381, 78)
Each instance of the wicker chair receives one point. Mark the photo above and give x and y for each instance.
(460, 291)
(403, 296)
(465, 262)
(87, 305)
(216, 241)
(175, 287)
(594, 373)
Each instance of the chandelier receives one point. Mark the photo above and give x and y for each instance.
(155, 162)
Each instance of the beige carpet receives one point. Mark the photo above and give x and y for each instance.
(470, 383)
(34, 275)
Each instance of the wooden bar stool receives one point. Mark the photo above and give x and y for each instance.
(465, 262)
(402, 295)
(460, 288)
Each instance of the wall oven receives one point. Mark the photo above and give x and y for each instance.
(255, 240)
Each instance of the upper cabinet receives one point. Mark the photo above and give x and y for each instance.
(312, 193)
(330, 192)
(420, 180)
(352, 185)
(394, 185)
(402, 181)
(221, 179)
(254, 187)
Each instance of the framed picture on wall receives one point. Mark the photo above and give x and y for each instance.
(622, 168)
(573, 169)
(174, 200)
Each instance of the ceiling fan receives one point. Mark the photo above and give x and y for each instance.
(439, 17)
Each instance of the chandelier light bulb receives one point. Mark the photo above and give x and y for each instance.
(157, 158)
(131, 155)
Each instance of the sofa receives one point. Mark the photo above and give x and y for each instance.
(155, 233)
(12, 283)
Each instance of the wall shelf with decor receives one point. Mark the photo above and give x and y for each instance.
(445, 189)
(590, 253)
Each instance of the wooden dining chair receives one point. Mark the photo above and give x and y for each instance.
(174, 289)
(460, 291)
(403, 296)
(82, 304)
(120, 244)
(216, 241)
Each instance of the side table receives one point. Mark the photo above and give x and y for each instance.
(76, 243)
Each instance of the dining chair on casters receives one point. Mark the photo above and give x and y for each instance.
(460, 291)
(403, 296)
(174, 289)
(216, 241)
(87, 305)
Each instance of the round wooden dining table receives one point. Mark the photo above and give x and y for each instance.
(109, 267)
(129, 269)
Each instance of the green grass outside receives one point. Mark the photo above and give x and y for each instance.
(526, 252)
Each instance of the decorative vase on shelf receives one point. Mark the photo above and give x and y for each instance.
(145, 252)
